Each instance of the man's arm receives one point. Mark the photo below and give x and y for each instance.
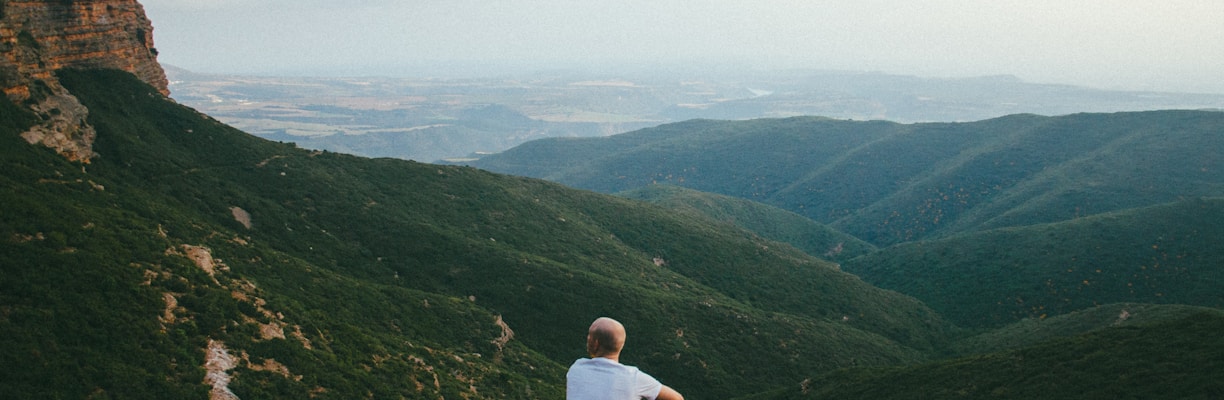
(667, 393)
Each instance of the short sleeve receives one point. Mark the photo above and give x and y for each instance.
(647, 386)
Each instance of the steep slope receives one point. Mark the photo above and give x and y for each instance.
(112, 288)
(1160, 254)
(770, 222)
(889, 183)
(336, 276)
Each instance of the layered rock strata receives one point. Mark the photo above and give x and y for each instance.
(39, 37)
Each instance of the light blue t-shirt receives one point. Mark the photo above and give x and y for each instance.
(604, 379)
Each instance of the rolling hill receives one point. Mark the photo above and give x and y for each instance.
(889, 183)
(1017, 228)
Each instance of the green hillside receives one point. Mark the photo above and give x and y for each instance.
(889, 183)
(1138, 361)
(1161, 254)
(332, 276)
(767, 221)
(1035, 331)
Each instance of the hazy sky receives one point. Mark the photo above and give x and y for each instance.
(1134, 44)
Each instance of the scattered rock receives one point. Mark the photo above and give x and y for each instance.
(168, 314)
(506, 335)
(242, 216)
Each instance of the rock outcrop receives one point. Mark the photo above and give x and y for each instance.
(39, 37)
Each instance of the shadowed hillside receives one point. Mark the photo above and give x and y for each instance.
(1128, 361)
(889, 183)
(1035, 331)
(1162, 254)
(769, 222)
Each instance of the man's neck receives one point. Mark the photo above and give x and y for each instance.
(614, 357)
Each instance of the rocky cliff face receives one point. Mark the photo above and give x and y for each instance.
(39, 37)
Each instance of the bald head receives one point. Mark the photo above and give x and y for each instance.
(606, 338)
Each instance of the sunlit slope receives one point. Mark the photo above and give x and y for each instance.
(767, 221)
(888, 183)
(1161, 254)
(341, 277)
(1179, 357)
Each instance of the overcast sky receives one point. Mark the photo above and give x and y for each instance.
(1175, 45)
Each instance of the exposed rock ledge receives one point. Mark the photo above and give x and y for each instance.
(39, 37)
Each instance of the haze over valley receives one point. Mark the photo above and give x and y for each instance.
(431, 119)
(416, 80)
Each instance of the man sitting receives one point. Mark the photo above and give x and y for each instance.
(603, 377)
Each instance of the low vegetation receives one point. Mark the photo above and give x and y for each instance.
(191, 258)
(1139, 361)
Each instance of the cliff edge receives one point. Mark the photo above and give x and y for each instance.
(39, 37)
